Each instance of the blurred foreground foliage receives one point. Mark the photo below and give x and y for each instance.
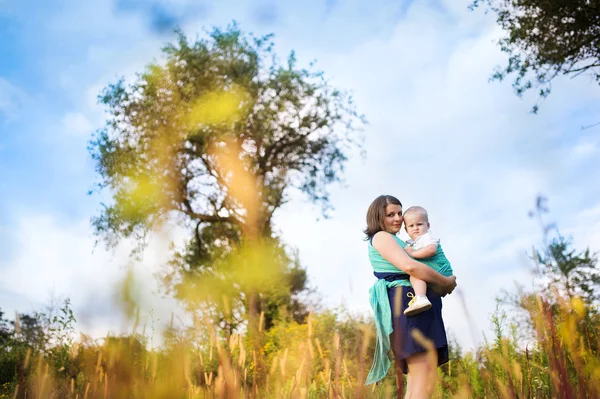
(545, 345)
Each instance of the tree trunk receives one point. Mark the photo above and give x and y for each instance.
(255, 331)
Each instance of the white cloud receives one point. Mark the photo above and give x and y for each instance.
(584, 148)
(54, 258)
(11, 99)
(76, 124)
(584, 228)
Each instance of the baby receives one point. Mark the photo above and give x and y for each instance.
(422, 245)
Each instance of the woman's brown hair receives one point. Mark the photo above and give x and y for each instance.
(376, 214)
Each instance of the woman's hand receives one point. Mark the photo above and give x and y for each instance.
(451, 284)
(447, 288)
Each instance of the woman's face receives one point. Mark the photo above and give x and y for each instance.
(393, 218)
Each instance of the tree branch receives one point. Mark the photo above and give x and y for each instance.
(590, 126)
(265, 165)
(582, 69)
(204, 217)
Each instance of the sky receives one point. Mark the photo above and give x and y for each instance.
(440, 135)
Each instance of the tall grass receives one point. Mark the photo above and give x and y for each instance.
(327, 357)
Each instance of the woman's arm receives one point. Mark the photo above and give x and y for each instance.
(387, 246)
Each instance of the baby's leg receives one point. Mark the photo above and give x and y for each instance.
(420, 302)
(419, 286)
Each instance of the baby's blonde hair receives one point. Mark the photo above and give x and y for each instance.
(418, 210)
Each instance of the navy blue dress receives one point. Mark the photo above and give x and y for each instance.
(429, 322)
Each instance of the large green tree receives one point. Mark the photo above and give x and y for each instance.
(215, 136)
(545, 39)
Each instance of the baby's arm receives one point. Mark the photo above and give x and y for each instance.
(425, 252)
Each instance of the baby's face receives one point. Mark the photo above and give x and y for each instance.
(416, 225)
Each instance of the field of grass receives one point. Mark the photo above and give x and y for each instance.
(326, 357)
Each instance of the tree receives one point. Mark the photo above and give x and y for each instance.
(5, 332)
(572, 273)
(546, 39)
(48, 334)
(8, 361)
(560, 267)
(214, 137)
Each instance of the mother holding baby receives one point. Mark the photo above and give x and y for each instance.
(409, 324)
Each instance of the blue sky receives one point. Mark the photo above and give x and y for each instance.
(439, 135)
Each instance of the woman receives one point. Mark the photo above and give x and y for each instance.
(390, 296)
